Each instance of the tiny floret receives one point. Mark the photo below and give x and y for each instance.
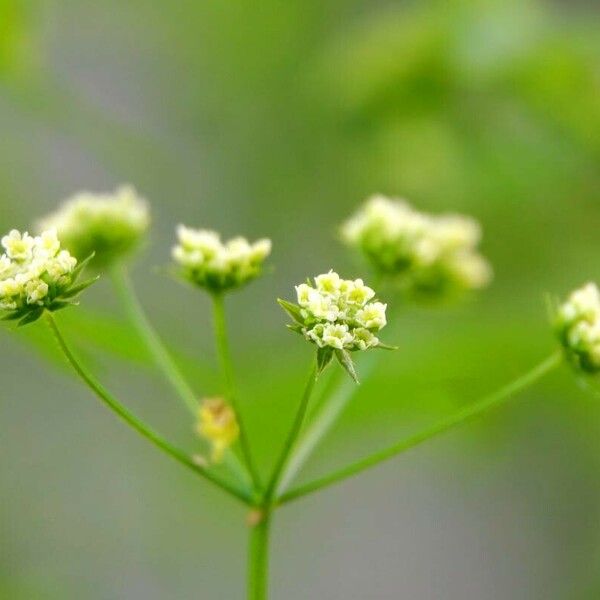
(577, 323)
(204, 260)
(429, 255)
(338, 316)
(108, 225)
(36, 275)
(218, 425)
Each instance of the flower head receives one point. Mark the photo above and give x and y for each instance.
(339, 316)
(218, 424)
(430, 255)
(204, 260)
(577, 323)
(106, 225)
(36, 275)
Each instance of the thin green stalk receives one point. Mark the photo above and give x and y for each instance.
(129, 418)
(461, 417)
(146, 331)
(292, 436)
(230, 388)
(258, 559)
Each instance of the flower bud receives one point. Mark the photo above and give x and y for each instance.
(430, 256)
(205, 261)
(217, 424)
(36, 275)
(577, 323)
(106, 225)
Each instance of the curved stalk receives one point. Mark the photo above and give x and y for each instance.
(292, 436)
(144, 430)
(146, 331)
(230, 388)
(463, 416)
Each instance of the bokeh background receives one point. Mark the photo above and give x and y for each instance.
(277, 118)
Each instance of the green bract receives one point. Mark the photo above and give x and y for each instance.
(577, 324)
(36, 275)
(204, 260)
(106, 225)
(430, 256)
(339, 316)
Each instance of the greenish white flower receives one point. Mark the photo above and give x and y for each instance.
(339, 316)
(429, 255)
(204, 260)
(36, 275)
(107, 225)
(577, 323)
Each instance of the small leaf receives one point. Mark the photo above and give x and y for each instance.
(345, 360)
(292, 309)
(15, 314)
(77, 289)
(31, 317)
(324, 356)
(60, 304)
(295, 327)
(383, 346)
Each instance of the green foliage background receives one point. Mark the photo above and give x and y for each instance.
(278, 118)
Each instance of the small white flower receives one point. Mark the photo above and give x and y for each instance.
(328, 283)
(358, 293)
(372, 316)
(337, 336)
(36, 290)
(18, 246)
(364, 339)
(303, 292)
(430, 255)
(209, 263)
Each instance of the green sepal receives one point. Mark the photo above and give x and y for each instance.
(15, 314)
(347, 363)
(81, 266)
(77, 289)
(324, 356)
(383, 346)
(60, 304)
(31, 317)
(295, 327)
(292, 309)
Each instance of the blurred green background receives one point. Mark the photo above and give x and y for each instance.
(277, 118)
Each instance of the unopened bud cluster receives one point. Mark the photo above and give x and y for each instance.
(337, 313)
(35, 274)
(217, 424)
(204, 260)
(431, 255)
(578, 327)
(108, 225)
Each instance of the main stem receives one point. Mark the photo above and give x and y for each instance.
(258, 558)
(461, 417)
(231, 392)
(146, 331)
(131, 420)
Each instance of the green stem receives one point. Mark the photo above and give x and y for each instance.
(258, 559)
(159, 353)
(461, 417)
(292, 436)
(129, 418)
(230, 389)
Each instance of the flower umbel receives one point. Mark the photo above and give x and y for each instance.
(218, 424)
(431, 255)
(339, 316)
(36, 275)
(107, 225)
(204, 260)
(577, 324)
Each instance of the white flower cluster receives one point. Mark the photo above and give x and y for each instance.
(207, 262)
(431, 254)
(578, 327)
(34, 274)
(337, 313)
(109, 225)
